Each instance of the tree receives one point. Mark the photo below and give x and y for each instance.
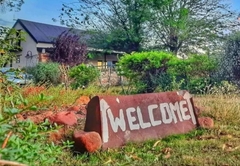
(11, 5)
(191, 25)
(129, 25)
(8, 39)
(69, 50)
(121, 22)
(229, 68)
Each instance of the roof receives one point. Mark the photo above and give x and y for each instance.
(46, 33)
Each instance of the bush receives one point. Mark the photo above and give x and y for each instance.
(83, 75)
(194, 73)
(225, 87)
(69, 50)
(145, 69)
(46, 73)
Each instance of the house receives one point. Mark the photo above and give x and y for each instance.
(39, 40)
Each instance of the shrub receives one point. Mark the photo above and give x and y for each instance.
(147, 71)
(83, 75)
(143, 69)
(46, 73)
(225, 87)
(195, 72)
(69, 50)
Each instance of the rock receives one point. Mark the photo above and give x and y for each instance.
(57, 136)
(39, 118)
(80, 111)
(47, 114)
(198, 110)
(83, 100)
(87, 141)
(64, 118)
(20, 117)
(74, 108)
(206, 122)
(28, 91)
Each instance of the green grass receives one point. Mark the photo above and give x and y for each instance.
(217, 146)
(200, 147)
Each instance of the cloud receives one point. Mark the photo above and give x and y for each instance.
(5, 22)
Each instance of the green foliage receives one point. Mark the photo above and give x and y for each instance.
(191, 26)
(195, 72)
(121, 28)
(13, 5)
(8, 44)
(83, 75)
(131, 25)
(147, 71)
(193, 67)
(229, 64)
(48, 73)
(142, 68)
(26, 143)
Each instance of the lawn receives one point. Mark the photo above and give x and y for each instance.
(216, 146)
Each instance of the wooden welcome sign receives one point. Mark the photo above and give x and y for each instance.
(135, 118)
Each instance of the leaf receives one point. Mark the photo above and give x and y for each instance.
(41, 97)
(33, 108)
(11, 110)
(135, 157)
(25, 102)
(156, 143)
(107, 162)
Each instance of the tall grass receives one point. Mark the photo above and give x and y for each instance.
(224, 109)
(60, 97)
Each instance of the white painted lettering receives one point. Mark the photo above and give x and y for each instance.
(184, 110)
(117, 122)
(164, 107)
(151, 116)
(103, 108)
(187, 97)
(143, 125)
(175, 108)
(132, 119)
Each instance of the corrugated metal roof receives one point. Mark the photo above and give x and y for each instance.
(46, 33)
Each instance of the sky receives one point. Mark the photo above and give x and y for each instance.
(34, 10)
(44, 10)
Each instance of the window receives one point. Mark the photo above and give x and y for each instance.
(18, 59)
(109, 64)
(18, 34)
(99, 64)
(11, 65)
